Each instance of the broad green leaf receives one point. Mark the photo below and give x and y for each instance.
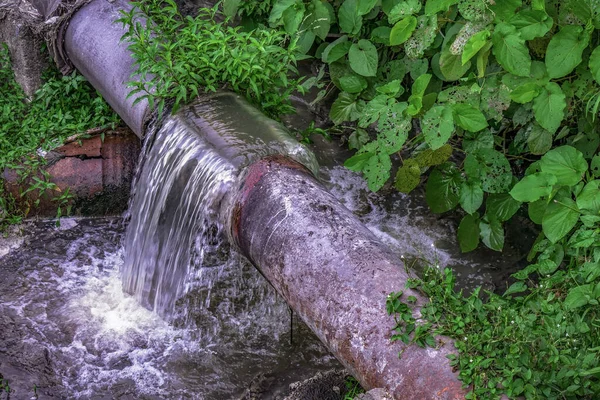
(381, 34)
(451, 66)
(394, 128)
(578, 297)
(336, 50)
(468, 233)
(377, 171)
(443, 188)
(358, 139)
(539, 140)
(437, 125)
(391, 88)
(501, 206)
(474, 44)
(533, 187)
(365, 6)
(525, 92)
(415, 101)
(408, 176)
(565, 50)
(320, 22)
(433, 7)
(349, 18)
(278, 9)
(503, 10)
(430, 158)
(402, 30)
(292, 18)
(403, 9)
(482, 59)
(566, 163)
(549, 106)
(536, 211)
(363, 58)
(589, 198)
(595, 166)
(471, 196)
(510, 50)
(532, 23)
(474, 141)
(594, 64)
(560, 217)
(353, 83)
(358, 161)
(230, 7)
(373, 110)
(491, 168)
(492, 234)
(517, 287)
(469, 117)
(345, 108)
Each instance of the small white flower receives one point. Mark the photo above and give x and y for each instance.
(465, 338)
(512, 322)
(558, 325)
(471, 360)
(402, 256)
(566, 334)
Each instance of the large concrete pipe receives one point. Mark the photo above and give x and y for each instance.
(93, 44)
(336, 275)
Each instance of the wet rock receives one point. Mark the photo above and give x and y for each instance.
(375, 394)
(329, 385)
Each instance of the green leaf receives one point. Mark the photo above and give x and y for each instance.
(292, 18)
(437, 125)
(474, 44)
(451, 66)
(501, 206)
(532, 23)
(565, 50)
(230, 7)
(336, 50)
(536, 211)
(474, 141)
(549, 107)
(349, 18)
(365, 6)
(374, 109)
(402, 30)
(589, 198)
(358, 161)
(469, 117)
(391, 89)
(560, 217)
(492, 234)
(504, 9)
(415, 100)
(517, 287)
(443, 188)
(353, 83)
(539, 140)
(408, 176)
(525, 92)
(595, 166)
(468, 233)
(363, 58)
(358, 139)
(594, 64)
(433, 7)
(345, 108)
(510, 50)
(533, 187)
(377, 171)
(320, 22)
(491, 167)
(578, 297)
(566, 163)
(278, 9)
(381, 34)
(471, 196)
(403, 9)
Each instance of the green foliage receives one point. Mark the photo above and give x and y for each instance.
(179, 58)
(538, 340)
(63, 106)
(353, 388)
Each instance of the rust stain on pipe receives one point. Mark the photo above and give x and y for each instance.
(336, 275)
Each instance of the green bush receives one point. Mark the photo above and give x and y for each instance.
(178, 58)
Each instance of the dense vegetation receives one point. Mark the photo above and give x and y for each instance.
(63, 106)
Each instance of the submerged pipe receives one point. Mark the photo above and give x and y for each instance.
(328, 266)
(335, 274)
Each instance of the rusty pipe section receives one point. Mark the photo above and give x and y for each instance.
(336, 275)
(92, 42)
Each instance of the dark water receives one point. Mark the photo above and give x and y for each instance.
(68, 329)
